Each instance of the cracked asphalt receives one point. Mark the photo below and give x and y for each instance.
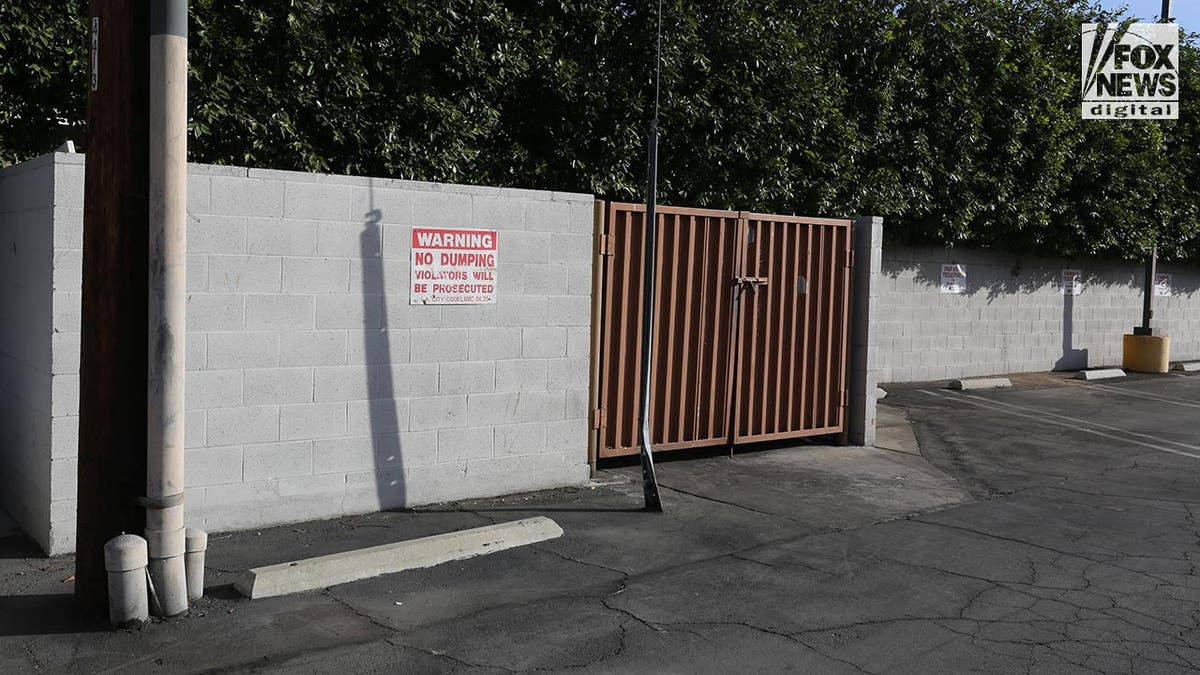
(1047, 528)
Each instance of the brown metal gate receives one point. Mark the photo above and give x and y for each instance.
(751, 314)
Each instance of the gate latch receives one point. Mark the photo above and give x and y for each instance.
(750, 282)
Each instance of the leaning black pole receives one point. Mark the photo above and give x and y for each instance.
(649, 481)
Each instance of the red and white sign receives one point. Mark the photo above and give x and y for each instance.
(954, 279)
(453, 267)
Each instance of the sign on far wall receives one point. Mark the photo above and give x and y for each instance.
(1072, 282)
(954, 279)
(1162, 285)
(453, 267)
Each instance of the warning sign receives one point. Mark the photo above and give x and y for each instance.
(954, 279)
(1162, 285)
(1072, 282)
(453, 267)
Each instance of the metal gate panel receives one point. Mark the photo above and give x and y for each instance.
(693, 312)
(793, 293)
(734, 361)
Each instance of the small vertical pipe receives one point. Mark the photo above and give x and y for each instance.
(167, 298)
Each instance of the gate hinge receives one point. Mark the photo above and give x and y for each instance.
(598, 418)
(606, 244)
(850, 259)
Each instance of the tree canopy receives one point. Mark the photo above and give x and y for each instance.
(956, 120)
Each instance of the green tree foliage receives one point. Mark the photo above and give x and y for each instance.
(43, 66)
(957, 120)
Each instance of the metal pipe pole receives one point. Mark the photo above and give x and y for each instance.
(167, 298)
(649, 480)
(1152, 259)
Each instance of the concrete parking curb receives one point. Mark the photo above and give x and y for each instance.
(1187, 367)
(981, 383)
(340, 568)
(1102, 374)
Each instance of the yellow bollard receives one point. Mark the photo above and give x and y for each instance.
(1146, 353)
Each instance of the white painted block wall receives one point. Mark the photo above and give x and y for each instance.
(313, 388)
(1014, 318)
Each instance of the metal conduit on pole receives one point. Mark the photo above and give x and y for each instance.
(168, 255)
(649, 480)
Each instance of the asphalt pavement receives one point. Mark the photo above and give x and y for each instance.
(1046, 528)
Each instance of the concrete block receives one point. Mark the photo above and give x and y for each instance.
(572, 249)
(567, 373)
(377, 416)
(280, 312)
(68, 270)
(524, 247)
(579, 279)
(544, 342)
(466, 377)
(1187, 367)
(194, 429)
(243, 274)
(569, 310)
(312, 348)
(242, 350)
(277, 460)
(1100, 374)
(349, 311)
(64, 437)
(437, 412)
(237, 426)
(64, 474)
(400, 314)
(213, 466)
(522, 311)
(579, 341)
(348, 240)
(68, 228)
(393, 207)
(981, 383)
(352, 383)
(577, 403)
(277, 385)
(215, 311)
(491, 213)
(521, 375)
(383, 346)
(316, 275)
(471, 316)
(464, 444)
(438, 345)
(515, 407)
(246, 197)
(64, 395)
(272, 236)
(441, 209)
(216, 234)
(373, 453)
(213, 389)
(548, 216)
(330, 570)
(199, 193)
(313, 420)
(567, 435)
(68, 312)
(490, 344)
(64, 353)
(197, 273)
(520, 439)
(316, 202)
(397, 242)
(545, 279)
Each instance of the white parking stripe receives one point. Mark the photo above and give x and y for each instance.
(1091, 423)
(1040, 416)
(1145, 395)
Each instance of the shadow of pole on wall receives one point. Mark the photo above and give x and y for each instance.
(1071, 359)
(381, 388)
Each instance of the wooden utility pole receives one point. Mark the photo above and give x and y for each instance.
(113, 356)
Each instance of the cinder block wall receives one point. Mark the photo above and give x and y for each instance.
(314, 389)
(1014, 317)
(41, 213)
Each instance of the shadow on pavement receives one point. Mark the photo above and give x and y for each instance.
(45, 614)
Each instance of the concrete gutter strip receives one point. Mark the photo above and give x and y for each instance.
(981, 383)
(1104, 374)
(340, 568)
(1188, 367)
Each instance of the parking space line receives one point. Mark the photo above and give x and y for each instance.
(1039, 416)
(1092, 423)
(1142, 394)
